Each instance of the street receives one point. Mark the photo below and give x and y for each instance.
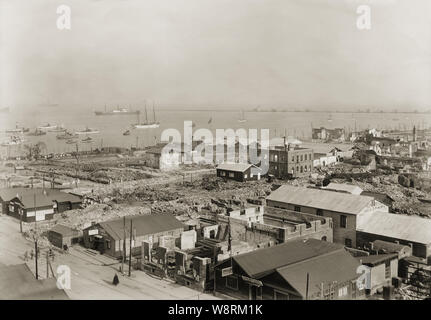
(91, 276)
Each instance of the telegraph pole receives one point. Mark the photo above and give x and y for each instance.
(36, 253)
(130, 251)
(124, 245)
(306, 288)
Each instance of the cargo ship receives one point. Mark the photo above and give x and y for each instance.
(118, 111)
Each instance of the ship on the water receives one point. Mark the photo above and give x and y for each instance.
(37, 132)
(17, 129)
(87, 140)
(66, 135)
(58, 129)
(118, 111)
(126, 133)
(147, 124)
(87, 131)
(47, 126)
(242, 119)
(71, 141)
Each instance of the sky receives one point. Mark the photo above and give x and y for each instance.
(218, 53)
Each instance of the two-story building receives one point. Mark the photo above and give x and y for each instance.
(290, 161)
(343, 208)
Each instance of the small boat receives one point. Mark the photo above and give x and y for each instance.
(71, 141)
(87, 131)
(242, 119)
(47, 126)
(17, 129)
(147, 124)
(66, 135)
(126, 133)
(118, 111)
(58, 129)
(87, 140)
(330, 117)
(37, 132)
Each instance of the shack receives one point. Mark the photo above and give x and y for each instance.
(237, 171)
(61, 235)
(109, 236)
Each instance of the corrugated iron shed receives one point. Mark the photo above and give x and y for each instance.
(396, 226)
(321, 199)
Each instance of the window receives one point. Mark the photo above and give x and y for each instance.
(280, 295)
(301, 158)
(275, 157)
(343, 221)
(305, 157)
(293, 158)
(302, 169)
(324, 238)
(298, 208)
(108, 244)
(348, 242)
(222, 173)
(297, 158)
(305, 168)
(319, 212)
(245, 176)
(387, 269)
(232, 282)
(231, 175)
(11, 208)
(342, 291)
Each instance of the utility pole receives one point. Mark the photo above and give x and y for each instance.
(306, 288)
(124, 245)
(47, 264)
(130, 251)
(35, 248)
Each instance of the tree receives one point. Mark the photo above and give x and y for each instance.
(35, 150)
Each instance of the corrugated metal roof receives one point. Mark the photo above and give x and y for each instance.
(264, 261)
(350, 188)
(376, 259)
(44, 197)
(143, 224)
(18, 283)
(238, 167)
(396, 226)
(7, 194)
(337, 266)
(321, 199)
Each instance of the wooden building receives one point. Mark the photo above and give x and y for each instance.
(61, 235)
(238, 171)
(343, 208)
(282, 272)
(107, 237)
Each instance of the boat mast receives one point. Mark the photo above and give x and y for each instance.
(146, 116)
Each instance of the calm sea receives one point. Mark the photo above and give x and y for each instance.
(112, 127)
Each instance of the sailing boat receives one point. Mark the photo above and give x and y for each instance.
(243, 119)
(330, 117)
(147, 124)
